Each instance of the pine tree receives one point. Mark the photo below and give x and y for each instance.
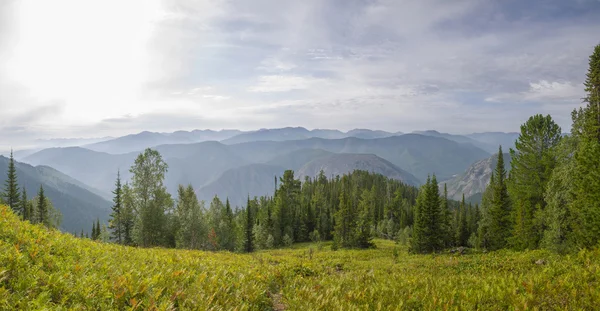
(26, 209)
(427, 230)
(249, 244)
(462, 229)
(116, 222)
(447, 219)
(11, 188)
(43, 215)
(499, 212)
(98, 229)
(94, 231)
(586, 174)
(364, 219)
(531, 166)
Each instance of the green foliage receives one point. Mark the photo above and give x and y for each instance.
(150, 198)
(44, 269)
(462, 227)
(191, 231)
(495, 226)
(427, 235)
(11, 195)
(532, 164)
(116, 225)
(585, 208)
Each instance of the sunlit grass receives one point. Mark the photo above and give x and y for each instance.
(46, 269)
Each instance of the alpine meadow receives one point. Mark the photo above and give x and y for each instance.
(113, 199)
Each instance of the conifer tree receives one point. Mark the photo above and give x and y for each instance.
(43, 215)
(499, 213)
(447, 219)
(364, 219)
(116, 221)
(98, 229)
(427, 231)
(532, 164)
(586, 175)
(26, 209)
(94, 231)
(462, 229)
(249, 244)
(11, 188)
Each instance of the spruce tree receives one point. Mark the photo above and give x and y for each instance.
(98, 229)
(249, 244)
(462, 229)
(43, 215)
(11, 189)
(532, 164)
(499, 212)
(586, 175)
(427, 230)
(25, 205)
(116, 222)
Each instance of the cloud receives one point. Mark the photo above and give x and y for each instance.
(544, 91)
(283, 83)
(398, 65)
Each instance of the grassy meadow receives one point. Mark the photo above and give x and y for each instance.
(42, 269)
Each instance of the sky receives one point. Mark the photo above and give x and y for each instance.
(95, 68)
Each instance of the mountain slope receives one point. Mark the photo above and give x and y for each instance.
(417, 154)
(475, 178)
(96, 169)
(79, 204)
(340, 164)
(236, 184)
(296, 159)
(491, 148)
(195, 164)
(507, 140)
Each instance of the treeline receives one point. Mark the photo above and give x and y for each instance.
(550, 199)
(38, 210)
(350, 210)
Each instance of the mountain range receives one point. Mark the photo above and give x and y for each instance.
(79, 204)
(235, 164)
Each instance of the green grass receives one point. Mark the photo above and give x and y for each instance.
(41, 269)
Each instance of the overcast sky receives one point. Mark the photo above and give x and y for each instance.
(82, 68)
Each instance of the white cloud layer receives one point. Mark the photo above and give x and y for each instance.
(71, 68)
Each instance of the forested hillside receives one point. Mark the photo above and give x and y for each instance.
(78, 204)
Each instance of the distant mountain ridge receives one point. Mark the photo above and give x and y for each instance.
(79, 204)
(343, 163)
(143, 140)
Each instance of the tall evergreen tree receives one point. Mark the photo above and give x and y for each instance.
(11, 188)
(586, 175)
(365, 219)
(249, 244)
(116, 219)
(498, 212)
(26, 208)
(43, 215)
(462, 229)
(427, 231)
(532, 164)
